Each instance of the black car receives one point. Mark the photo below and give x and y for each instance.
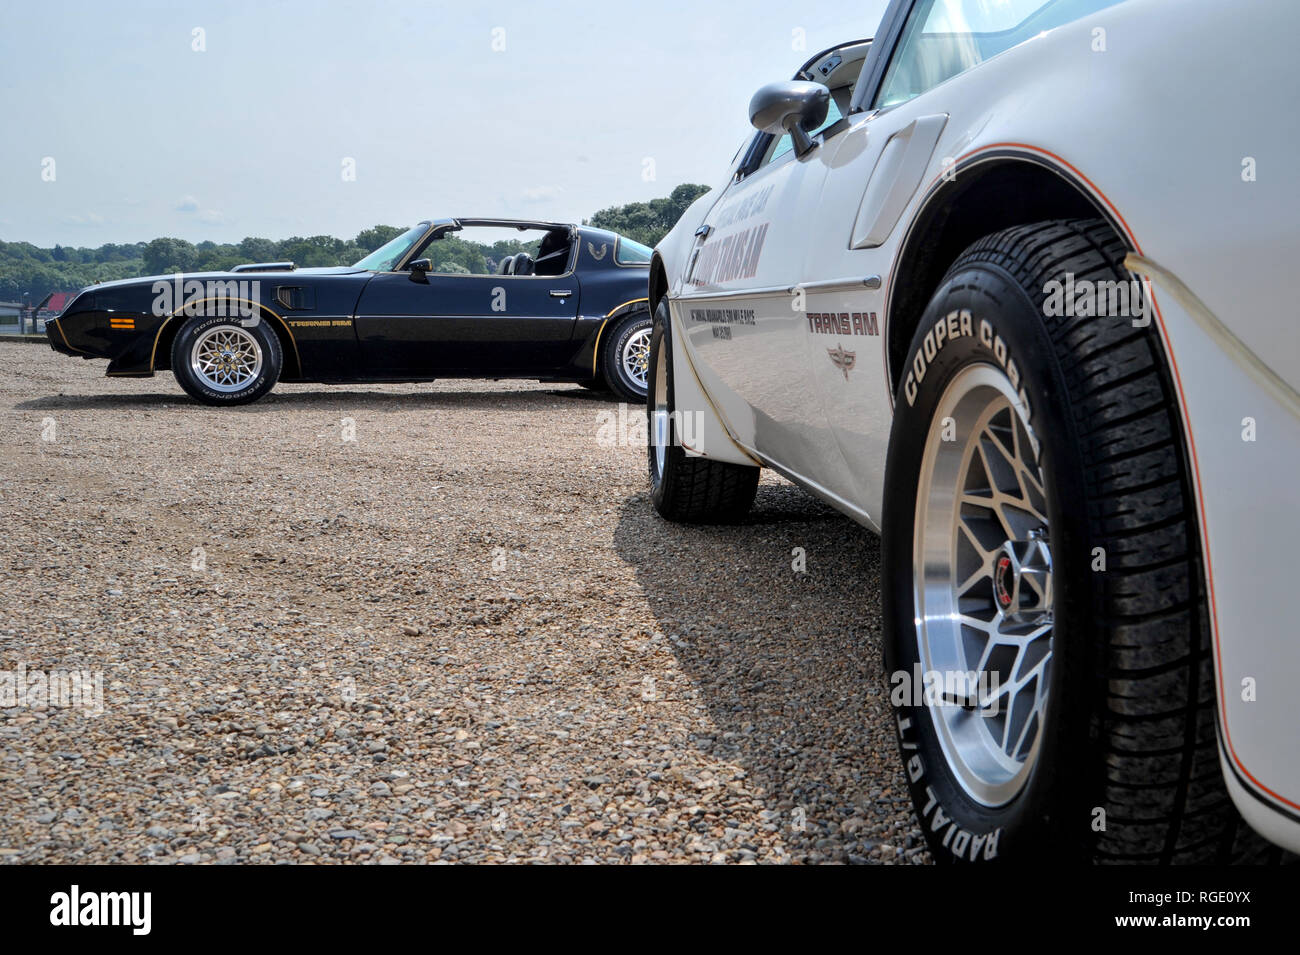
(552, 302)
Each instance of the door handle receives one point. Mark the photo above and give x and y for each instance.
(561, 292)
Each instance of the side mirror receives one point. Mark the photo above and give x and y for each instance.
(791, 107)
(420, 269)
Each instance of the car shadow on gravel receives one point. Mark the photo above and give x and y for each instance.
(788, 664)
(95, 402)
(599, 397)
(325, 398)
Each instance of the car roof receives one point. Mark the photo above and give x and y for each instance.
(508, 223)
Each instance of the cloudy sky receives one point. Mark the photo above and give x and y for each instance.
(544, 109)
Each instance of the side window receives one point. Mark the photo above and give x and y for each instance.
(943, 38)
(627, 252)
(500, 250)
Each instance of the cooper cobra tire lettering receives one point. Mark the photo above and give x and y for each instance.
(960, 323)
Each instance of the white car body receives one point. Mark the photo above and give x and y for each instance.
(1175, 122)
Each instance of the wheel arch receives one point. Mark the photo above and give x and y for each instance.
(658, 281)
(160, 360)
(982, 193)
(627, 308)
(612, 317)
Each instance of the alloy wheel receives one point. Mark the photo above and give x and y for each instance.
(982, 573)
(226, 358)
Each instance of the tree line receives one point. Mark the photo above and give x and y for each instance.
(38, 271)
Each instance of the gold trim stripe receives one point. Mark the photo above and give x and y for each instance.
(64, 335)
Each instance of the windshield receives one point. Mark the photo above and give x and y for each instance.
(390, 253)
(943, 38)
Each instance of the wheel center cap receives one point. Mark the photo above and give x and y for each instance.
(1022, 579)
(1003, 581)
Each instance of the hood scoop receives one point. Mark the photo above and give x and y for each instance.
(264, 267)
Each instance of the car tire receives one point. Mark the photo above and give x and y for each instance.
(1037, 490)
(625, 355)
(226, 360)
(684, 488)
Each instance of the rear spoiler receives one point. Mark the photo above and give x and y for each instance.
(265, 267)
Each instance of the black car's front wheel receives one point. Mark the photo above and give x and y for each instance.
(1046, 631)
(226, 360)
(625, 355)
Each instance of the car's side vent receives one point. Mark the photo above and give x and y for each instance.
(295, 297)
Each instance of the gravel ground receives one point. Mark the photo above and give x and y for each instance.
(462, 635)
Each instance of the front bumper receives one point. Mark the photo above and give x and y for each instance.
(54, 334)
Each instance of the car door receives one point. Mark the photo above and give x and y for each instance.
(412, 324)
(912, 124)
(810, 373)
(738, 316)
(875, 169)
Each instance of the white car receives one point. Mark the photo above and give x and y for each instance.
(1009, 284)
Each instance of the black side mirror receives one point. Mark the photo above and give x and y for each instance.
(792, 107)
(420, 269)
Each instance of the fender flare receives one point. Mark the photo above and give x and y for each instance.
(618, 311)
(262, 309)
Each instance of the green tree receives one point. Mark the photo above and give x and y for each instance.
(648, 222)
(373, 238)
(257, 250)
(163, 256)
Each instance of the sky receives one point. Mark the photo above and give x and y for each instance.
(299, 118)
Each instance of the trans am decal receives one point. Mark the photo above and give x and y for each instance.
(843, 323)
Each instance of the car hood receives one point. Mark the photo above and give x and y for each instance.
(149, 280)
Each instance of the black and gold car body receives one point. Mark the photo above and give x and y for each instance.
(401, 323)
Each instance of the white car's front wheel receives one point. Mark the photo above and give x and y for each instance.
(1047, 637)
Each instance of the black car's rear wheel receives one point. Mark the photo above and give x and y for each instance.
(226, 360)
(625, 355)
